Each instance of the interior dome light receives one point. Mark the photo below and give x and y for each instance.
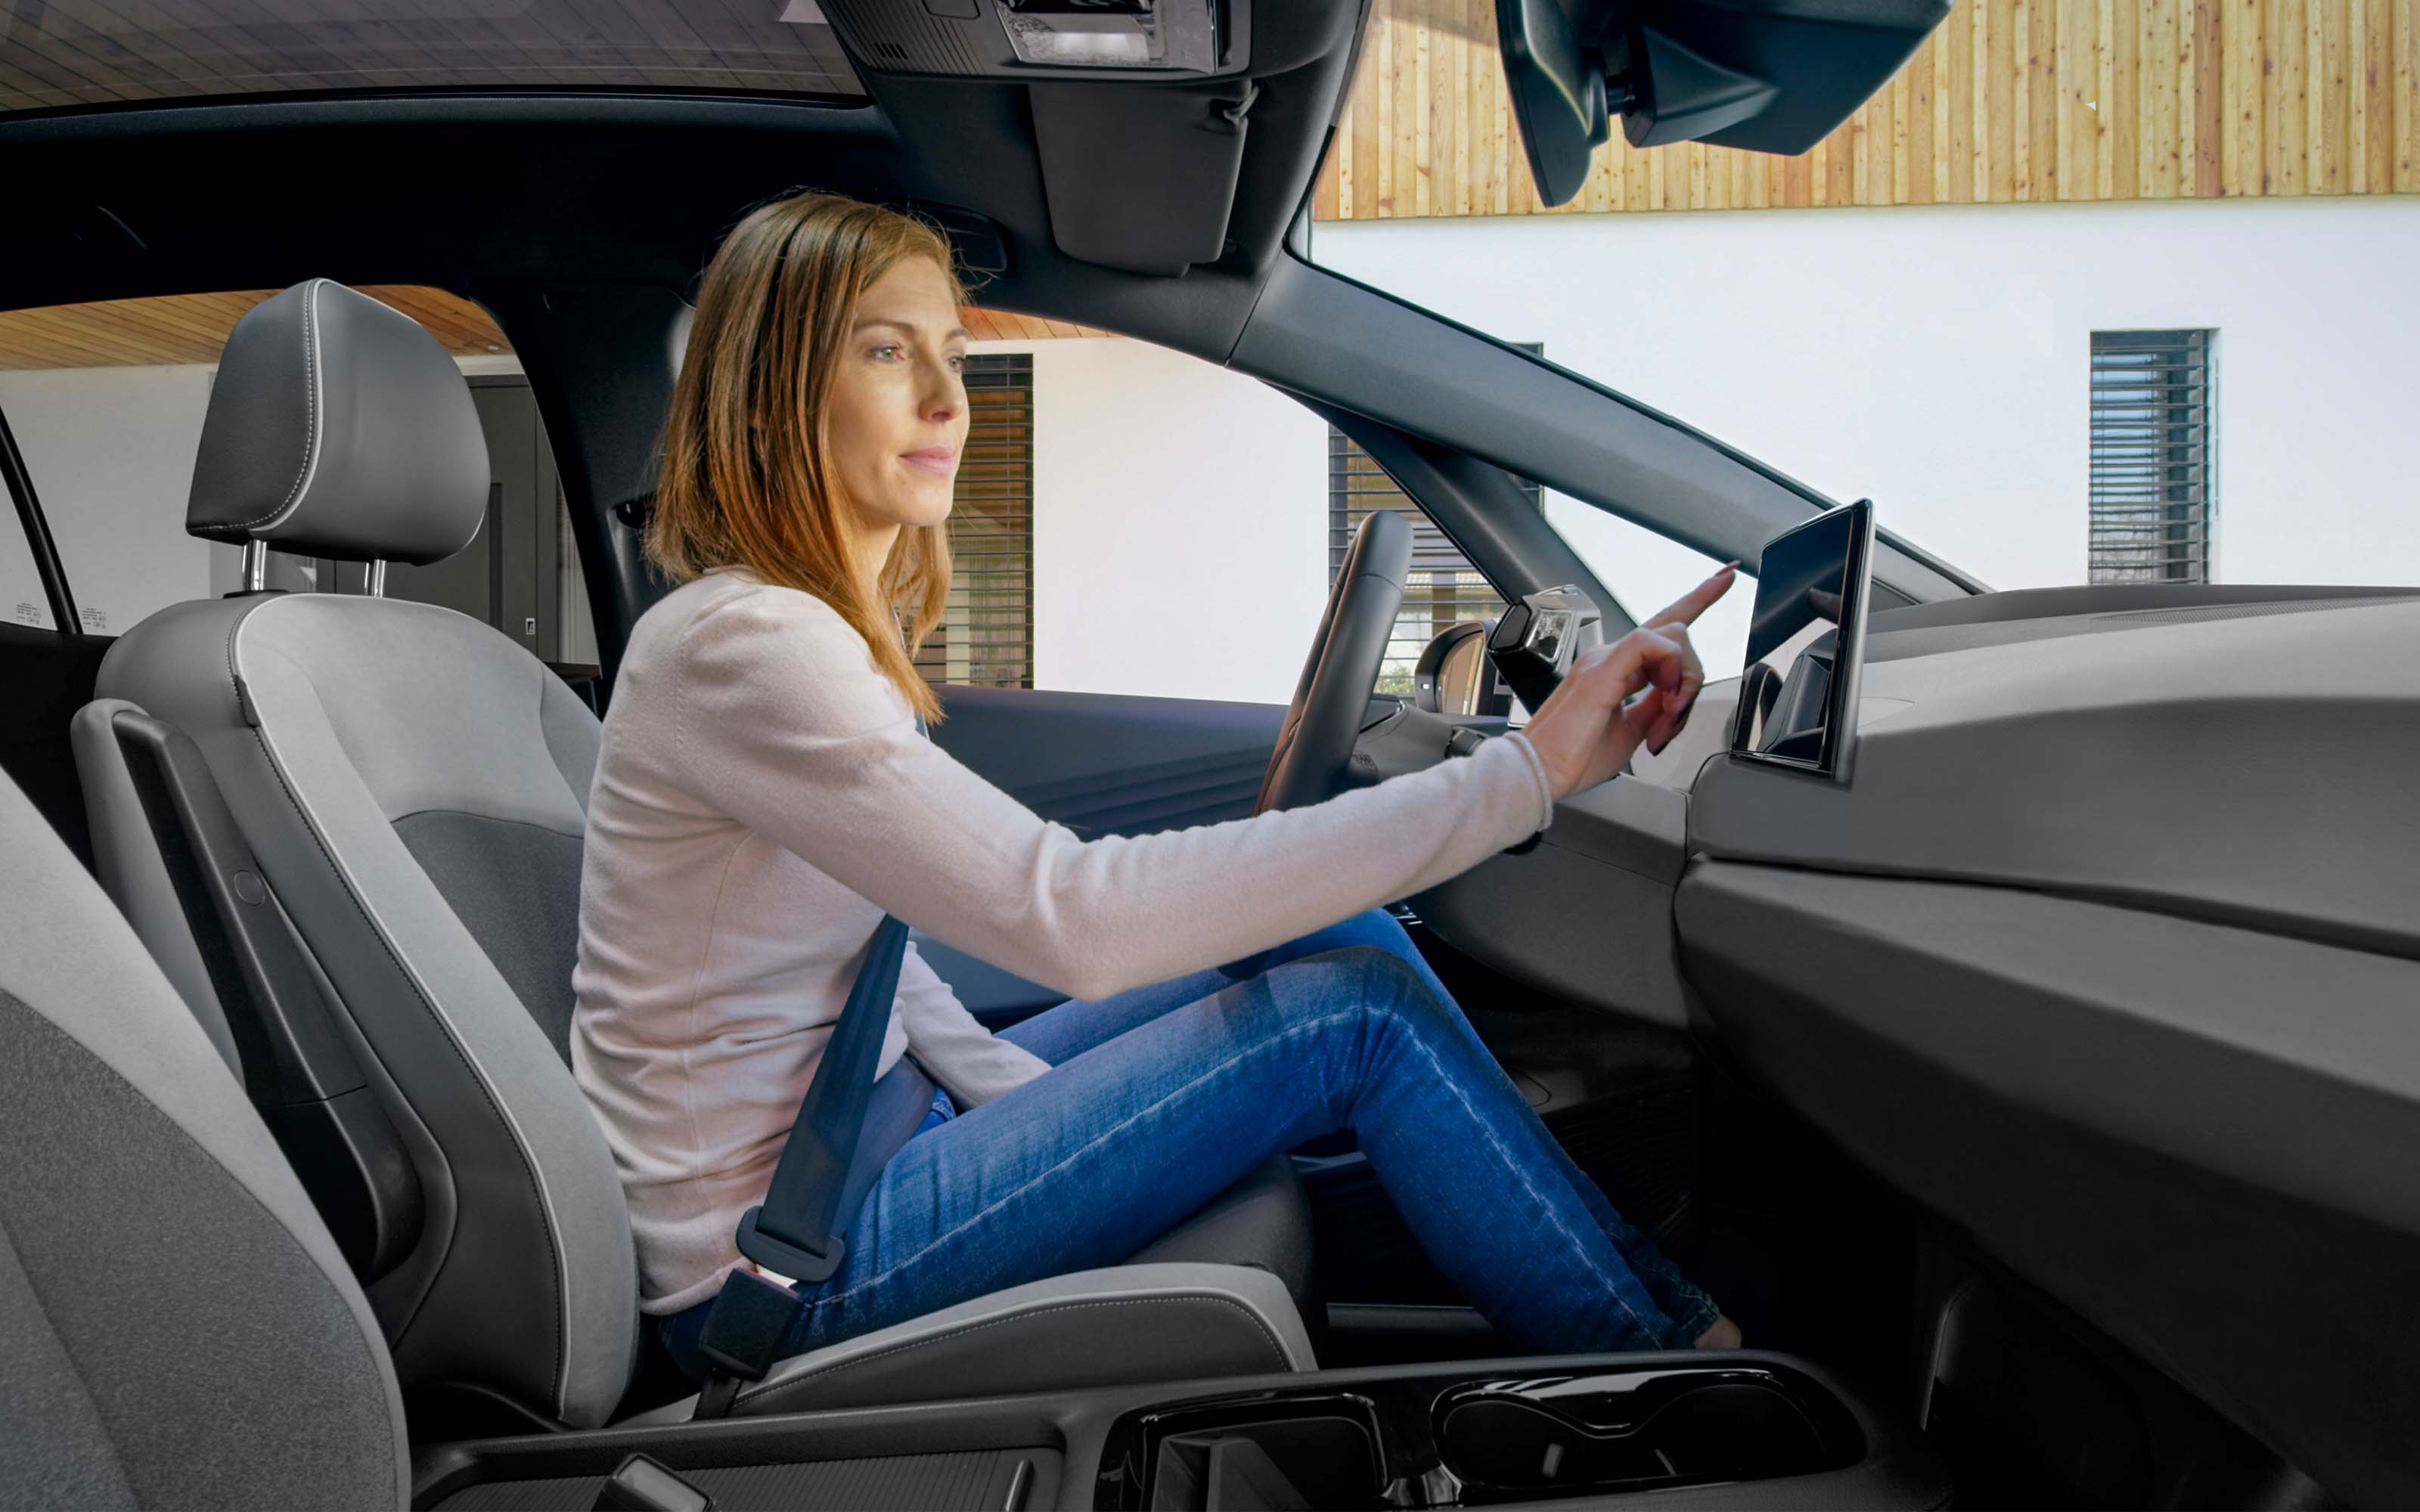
(1113, 34)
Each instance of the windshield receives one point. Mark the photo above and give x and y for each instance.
(2074, 306)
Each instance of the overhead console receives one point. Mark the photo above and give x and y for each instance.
(1140, 106)
(1104, 40)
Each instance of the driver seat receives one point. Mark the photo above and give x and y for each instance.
(409, 787)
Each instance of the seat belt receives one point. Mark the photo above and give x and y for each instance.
(822, 1178)
(797, 1230)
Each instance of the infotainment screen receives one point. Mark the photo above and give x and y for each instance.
(1797, 696)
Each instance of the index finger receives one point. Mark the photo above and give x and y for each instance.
(1685, 609)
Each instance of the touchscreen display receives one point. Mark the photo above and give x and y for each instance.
(1801, 643)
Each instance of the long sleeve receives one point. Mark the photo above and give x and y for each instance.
(784, 723)
(974, 1064)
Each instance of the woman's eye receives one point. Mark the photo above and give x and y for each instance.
(959, 362)
(886, 354)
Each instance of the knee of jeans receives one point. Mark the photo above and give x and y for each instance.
(1382, 981)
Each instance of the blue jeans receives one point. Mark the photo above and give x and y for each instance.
(1160, 1098)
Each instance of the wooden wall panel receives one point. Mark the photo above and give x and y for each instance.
(2010, 100)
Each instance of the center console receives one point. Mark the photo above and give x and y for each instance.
(1737, 1428)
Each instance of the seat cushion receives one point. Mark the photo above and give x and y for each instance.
(1263, 1221)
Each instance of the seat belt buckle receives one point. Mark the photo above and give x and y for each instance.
(793, 1260)
(746, 1326)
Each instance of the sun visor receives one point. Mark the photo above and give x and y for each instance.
(1141, 179)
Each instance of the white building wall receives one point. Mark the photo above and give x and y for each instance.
(1936, 358)
(1180, 525)
(111, 452)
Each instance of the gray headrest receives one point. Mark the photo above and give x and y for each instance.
(339, 428)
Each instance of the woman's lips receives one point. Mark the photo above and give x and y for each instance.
(938, 460)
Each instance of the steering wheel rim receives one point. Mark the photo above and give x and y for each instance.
(1332, 697)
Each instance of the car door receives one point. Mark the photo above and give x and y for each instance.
(1100, 764)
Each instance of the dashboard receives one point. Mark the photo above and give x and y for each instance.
(2108, 953)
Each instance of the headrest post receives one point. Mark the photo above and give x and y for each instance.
(255, 566)
(378, 578)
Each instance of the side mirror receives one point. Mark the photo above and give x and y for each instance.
(1453, 676)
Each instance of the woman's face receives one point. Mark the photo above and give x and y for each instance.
(898, 404)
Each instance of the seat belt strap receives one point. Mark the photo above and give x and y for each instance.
(797, 1230)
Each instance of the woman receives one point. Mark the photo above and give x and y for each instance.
(763, 797)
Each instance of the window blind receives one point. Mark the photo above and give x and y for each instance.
(988, 636)
(2154, 484)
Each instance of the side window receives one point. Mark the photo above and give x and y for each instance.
(1443, 588)
(107, 400)
(107, 412)
(987, 635)
(1130, 519)
(1175, 531)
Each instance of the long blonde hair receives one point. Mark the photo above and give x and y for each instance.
(746, 475)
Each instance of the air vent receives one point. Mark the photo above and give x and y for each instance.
(891, 51)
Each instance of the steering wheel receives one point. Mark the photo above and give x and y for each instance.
(1332, 698)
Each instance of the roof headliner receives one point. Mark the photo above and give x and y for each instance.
(86, 53)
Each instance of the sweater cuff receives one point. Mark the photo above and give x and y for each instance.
(1537, 768)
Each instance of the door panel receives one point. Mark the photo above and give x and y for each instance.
(1101, 764)
(1108, 764)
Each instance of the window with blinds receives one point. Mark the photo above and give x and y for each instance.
(988, 636)
(1444, 589)
(2153, 479)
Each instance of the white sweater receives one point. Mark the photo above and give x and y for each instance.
(762, 797)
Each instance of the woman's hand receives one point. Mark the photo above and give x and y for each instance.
(1585, 734)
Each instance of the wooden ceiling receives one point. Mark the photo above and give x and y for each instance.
(193, 328)
(60, 52)
(1008, 325)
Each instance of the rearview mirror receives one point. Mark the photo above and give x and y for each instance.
(1766, 76)
(1558, 94)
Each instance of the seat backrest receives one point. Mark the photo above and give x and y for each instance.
(412, 784)
(177, 1328)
